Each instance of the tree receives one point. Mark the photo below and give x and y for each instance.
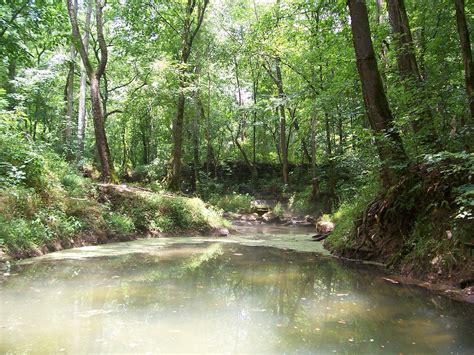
(69, 94)
(81, 112)
(95, 75)
(388, 141)
(463, 31)
(406, 59)
(193, 19)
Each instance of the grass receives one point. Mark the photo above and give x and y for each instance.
(346, 215)
(45, 203)
(238, 203)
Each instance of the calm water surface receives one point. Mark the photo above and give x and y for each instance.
(220, 296)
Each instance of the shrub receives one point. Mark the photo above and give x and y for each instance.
(347, 213)
(233, 202)
(119, 224)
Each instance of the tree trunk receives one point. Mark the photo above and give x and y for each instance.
(283, 144)
(194, 16)
(407, 63)
(69, 101)
(406, 59)
(254, 124)
(81, 115)
(314, 179)
(463, 31)
(99, 129)
(94, 77)
(196, 163)
(388, 141)
(175, 178)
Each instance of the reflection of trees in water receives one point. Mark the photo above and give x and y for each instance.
(239, 286)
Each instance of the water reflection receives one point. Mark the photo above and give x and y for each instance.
(222, 297)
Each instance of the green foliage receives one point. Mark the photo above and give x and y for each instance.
(157, 212)
(278, 210)
(119, 224)
(235, 202)
(347, 213)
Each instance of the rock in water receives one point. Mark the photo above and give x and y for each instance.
(324, 227)
(252, 217)
(270, 217)
(222, 232)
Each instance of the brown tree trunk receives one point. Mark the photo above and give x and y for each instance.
(407, 63)
(389, 144)
(175, 178)
(81, 115)
(195, 11)
(69, 101)
(406, 59)
(81, 111)
(94, 77)
(314, 179)
(196, 129)
(99, 129)
(282, 125)
(463, 31)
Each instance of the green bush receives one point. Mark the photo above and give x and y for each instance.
(233, 202)
(278, 209)
(119, 224)
(347, 214)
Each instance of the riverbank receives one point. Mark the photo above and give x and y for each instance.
(75, 211)
(421, 229)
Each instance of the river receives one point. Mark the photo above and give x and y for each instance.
(243, 294)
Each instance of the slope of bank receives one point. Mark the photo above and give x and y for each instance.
(46, 206)
(421, 228)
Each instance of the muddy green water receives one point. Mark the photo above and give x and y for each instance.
(244, 294)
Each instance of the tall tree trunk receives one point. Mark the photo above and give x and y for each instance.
(99, 129)
(406, 60)
(94, 77)
(69, 100)
(196, 124)
(314, 179)
(282, 125)
(195, 11)
(175, 178)
(81, 114)
(255, 78)
(463, 31)
(388, 141)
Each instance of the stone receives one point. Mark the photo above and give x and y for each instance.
(222, 232)
(270, 217)
(232, 215)
(252, 217)
(325, 227)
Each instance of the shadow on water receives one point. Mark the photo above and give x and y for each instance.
(221, 297)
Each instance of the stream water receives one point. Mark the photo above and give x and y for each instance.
(243, 294)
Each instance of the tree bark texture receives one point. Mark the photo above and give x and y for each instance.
(388, 141)
(94, 77)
